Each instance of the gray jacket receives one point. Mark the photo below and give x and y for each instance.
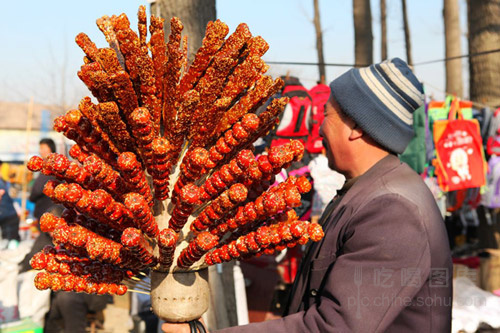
(384, 264)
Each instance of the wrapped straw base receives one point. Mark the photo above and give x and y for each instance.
(180, 296)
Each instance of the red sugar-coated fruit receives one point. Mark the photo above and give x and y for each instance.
(141, 117)
(74, 193)
(225, 174)
(128, 161)
(49, 187)
(60, 124)
(131, 237)
(38, 261)
(135, 202)
(206, 241)
(303, 184)
(250, 122)
(35, 163)
(298, 228)
(198, 158)
(264, 165)
(101, 199)
(59, 163)
(42, 281)
(239, 132)
(292, 196)
(222, 147)
(229, 139)
(49, 222)
(263, 236)
(298, 149)
(161, 146)
(315, 232)
(167, 238)
(60, 191)
(73, 117)
(121, 290)
(284, 232)
(238, 193)
(190, 194)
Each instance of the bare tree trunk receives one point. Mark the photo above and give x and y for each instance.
(194, 15)
(452, 38)
(383, 28)
(407, 34)
(484, 35)
(363, 38)
(319, 43)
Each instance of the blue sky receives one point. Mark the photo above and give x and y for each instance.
(39, 55)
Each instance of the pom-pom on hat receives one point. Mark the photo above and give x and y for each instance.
(381, 100)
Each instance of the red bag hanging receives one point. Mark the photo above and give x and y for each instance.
(460, 161)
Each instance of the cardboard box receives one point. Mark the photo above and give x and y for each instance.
(472, 274)
(490, 270)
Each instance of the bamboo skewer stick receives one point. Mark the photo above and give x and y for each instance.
(24, 192)
(138, 291)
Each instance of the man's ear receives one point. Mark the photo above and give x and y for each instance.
(356, 132)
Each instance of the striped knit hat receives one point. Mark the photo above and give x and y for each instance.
(381, 99)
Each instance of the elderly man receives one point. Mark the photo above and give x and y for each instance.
(384, 264)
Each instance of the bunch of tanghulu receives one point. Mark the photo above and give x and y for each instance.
(163, 177)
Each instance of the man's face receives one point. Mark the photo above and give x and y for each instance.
(44, 150)
(335, 130)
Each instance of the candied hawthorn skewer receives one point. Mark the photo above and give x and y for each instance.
(142, 26)
(143, 217)
(203, 243)
(265, 239)
(159, 56)
(124, 92)
(98, 204)
(70, 282)
(161, 160)
(187, 107)
(227, 176)
(103, 173)
(133, 240)
(67, 263)
(139, 64)
(243, 76)
(78, 153)
(167, 240)
(87, 46)
(211, 84)
(117, 129)
(106, 26)
(97, 80)
(59, 166)
(274, 200)
(172, 75)
(131, 169)
(78, 128)
(215, 33)
(264, 88)
(143, 131)
(101, 229)
(95, 246)
(233, 140)
(220, 207)
(189, 197)
(191, 169)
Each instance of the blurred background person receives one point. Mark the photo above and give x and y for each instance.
(42, 203)
(9, 220)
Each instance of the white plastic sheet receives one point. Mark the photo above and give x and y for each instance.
(472, 306)
(18, 296)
